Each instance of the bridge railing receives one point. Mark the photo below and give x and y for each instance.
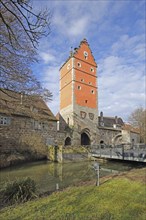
(123, 152)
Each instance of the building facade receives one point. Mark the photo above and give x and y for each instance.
(27, 127)
(78, 96)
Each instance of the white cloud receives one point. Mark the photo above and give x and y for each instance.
(121, 85)
(78, 27)
(129, 46)
(46, 57)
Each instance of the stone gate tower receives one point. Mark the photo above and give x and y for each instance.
(78, 95)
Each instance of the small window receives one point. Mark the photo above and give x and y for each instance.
(86, 101)
(79, 64)
(37, 125)
(79, 87)
(68, 66)
(92, 69)
(68, 121)
(90, 83)
(85, 55)
(82, 80)
(4, 120)
(92, 91)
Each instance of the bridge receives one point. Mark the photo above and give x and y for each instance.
(120, 152)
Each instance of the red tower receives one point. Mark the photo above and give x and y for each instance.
(78, 94)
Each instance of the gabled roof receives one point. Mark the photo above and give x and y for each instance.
(13, 103)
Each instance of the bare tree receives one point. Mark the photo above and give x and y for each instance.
(138, 119)
(21, 30)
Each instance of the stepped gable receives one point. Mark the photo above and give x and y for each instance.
(84, 41)
(75, 52)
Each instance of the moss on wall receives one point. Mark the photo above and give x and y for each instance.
(55, 153)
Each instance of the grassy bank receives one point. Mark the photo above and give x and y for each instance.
(121, 197)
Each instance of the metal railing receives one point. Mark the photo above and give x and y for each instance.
(121, 152)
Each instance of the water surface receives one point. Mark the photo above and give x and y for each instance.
(48, 174)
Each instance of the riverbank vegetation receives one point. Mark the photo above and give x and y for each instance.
(18, 191)
(121, 197)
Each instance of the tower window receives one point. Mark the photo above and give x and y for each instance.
(85, 55)
(90, 83)
(92, 91)
(79, 64)
(86, 101)
(82, 80)
(92, 69)
(79, 87)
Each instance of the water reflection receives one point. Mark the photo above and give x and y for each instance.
(48, 174)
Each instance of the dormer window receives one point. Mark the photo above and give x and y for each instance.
(86, 54)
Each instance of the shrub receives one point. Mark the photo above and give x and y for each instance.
(19, 191)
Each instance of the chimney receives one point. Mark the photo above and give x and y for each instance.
(21, 98)
(116, 120)
(101, 116)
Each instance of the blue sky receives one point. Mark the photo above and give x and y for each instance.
(115, 31)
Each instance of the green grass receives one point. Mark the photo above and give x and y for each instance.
(117, 199)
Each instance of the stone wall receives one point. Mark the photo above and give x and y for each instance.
(108, 135)
(130, 137)
(25, 139)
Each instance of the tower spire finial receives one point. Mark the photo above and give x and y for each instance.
(71, 51)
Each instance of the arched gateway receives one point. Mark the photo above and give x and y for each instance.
(85, 140)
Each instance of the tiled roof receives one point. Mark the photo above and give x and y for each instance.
(110, 121)
(130, 128)
(13, 103)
